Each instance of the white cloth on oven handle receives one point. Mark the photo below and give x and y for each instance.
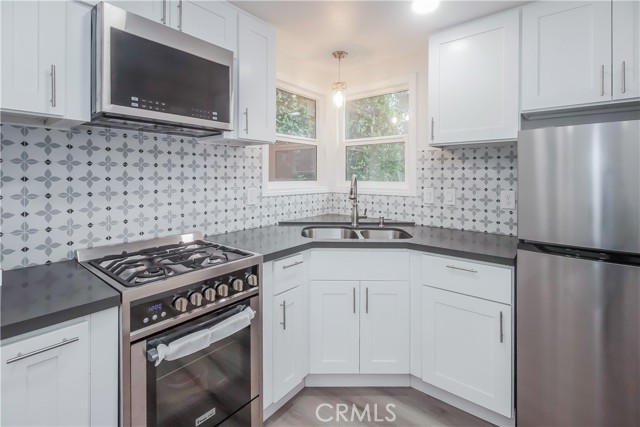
(202, 339)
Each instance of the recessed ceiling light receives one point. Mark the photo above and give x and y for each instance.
(424, 6)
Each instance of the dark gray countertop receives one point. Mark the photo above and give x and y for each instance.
(333, 219)
(34, 297)
(281, 240)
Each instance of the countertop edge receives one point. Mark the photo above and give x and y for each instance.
(28, 325)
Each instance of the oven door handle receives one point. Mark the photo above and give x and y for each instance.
(202, 339)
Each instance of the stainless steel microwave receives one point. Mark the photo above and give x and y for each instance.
(150, 77)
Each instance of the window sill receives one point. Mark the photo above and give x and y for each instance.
(403, 192)
(286, 191)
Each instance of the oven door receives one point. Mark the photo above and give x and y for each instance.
(200, 373)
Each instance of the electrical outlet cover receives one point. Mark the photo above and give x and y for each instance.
(252, 196)
(508, 200)
(449, 196)
(429, 195)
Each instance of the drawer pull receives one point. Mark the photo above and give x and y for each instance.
(21, 356)
(284, 267)
(453, 267)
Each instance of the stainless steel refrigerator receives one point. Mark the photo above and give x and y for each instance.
(578, 276)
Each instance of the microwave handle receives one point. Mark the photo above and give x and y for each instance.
(201, 339)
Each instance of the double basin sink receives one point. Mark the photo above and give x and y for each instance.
(360, 233)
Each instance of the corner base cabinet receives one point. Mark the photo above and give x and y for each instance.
(466, 348)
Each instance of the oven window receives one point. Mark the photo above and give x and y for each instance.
(204, 388)
(155, 77)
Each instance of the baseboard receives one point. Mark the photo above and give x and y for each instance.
(462, 404)
(271, 409)
(358, 380)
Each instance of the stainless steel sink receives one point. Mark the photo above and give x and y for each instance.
(346, 233)
(329, 233)
(384, 234)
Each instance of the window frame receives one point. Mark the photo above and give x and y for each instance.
(404, 188)
(274, 188)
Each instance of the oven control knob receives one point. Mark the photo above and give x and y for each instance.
(180, 304)
(222, 289)
(237, 284)
(209, 294)
(252, 280)
(195, 298)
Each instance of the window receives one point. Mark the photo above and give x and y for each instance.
(378, 137)
(292, 162)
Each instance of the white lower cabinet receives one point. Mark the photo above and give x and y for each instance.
(63, 376)
(46, 378)
(359, 327)
(334, 327)
(290, 356)
(384, 328)
(466, 348)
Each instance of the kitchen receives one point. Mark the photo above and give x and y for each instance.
(310, 213)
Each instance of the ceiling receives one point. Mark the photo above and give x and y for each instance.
(372, 32)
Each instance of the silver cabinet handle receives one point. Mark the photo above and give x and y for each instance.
(433, 123)
(284, 315)
(284, 267)
(602, 80)
(246, 120)
(501, 328)
(354, 300)
(366, 301)
(53, 85)
(624, 76)
(453, 267)
(164, 12)
(21, 356)
(180, 15)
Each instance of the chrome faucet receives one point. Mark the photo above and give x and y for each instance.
(353, 196)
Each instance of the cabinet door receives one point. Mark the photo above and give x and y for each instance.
(473, 81)
(256, 81)
(290, 358)
(155, 10)
(45, 379)
(33, 56)
(334, 327)
(566, 54)
(215, 22)
(384, 327)
(466, 348)
(626, 49)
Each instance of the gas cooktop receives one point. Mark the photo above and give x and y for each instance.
(158, 263)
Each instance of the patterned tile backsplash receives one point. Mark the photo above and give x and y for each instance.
(64, 190)
(478, 175)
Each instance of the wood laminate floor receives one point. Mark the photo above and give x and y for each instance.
(316, 406)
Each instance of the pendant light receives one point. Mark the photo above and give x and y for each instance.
(339, 87)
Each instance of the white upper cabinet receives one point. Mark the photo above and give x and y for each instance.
(473, 81)
(46, 379)
(33, 57)
(256, 81)
(566, 54)
(384, 327)
(212, 21)
(626, 49)
(156, 10)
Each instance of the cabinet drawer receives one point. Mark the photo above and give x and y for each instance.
(360, 264)
(288, 273)
(469, 278)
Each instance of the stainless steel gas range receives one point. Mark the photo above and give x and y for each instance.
(191, 330)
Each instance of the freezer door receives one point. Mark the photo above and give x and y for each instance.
(578, 342)
(580, 186)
